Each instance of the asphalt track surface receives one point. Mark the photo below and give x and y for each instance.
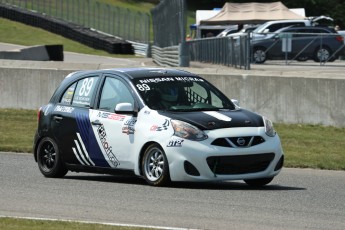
(296, 199)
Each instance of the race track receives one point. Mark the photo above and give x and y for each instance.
(296, 199)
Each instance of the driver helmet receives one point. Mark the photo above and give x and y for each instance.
(169, 93)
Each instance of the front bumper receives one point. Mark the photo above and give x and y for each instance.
(209, 161)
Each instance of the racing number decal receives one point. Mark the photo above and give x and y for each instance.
(143, 87)
(86, 87)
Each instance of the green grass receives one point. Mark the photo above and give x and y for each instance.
(305, 146)
(17, 129)
(26, 224)
(313, 146)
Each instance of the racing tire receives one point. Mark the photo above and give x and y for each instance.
(322, 54)
(259, 55)
(258, 182)
(49, 159)
(155, 166)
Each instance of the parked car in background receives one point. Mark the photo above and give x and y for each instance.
(272, 26)
(244, 31)
(320, 44)
(232, 29)
(161, 124)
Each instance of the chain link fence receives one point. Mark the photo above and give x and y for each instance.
(169, 28)
(221, 51)
(113, 20)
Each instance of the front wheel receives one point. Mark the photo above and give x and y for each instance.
(155, 166)
(259, 55)
(258, 182)
(49, 159)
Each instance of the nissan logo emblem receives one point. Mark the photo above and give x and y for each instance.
(241, 141)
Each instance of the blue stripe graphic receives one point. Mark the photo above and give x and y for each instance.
(89, 139)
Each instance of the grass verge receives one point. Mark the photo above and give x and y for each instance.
(26, 224)
(305, 146)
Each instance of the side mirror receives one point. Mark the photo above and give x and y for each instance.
(266, 31)
(125, 108)
(236, 102)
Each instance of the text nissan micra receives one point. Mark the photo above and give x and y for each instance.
(161, 124)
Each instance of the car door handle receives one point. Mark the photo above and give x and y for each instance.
(96, 122)
(58, 118)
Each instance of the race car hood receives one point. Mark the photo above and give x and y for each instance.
(209, 120)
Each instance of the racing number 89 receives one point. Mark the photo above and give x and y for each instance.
(143, 87)
(86, 87)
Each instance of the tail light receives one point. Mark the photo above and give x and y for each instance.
(39, 114)
(340, 38)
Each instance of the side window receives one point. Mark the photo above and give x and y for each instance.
(114, 91)
(84, 91)
(68, 94)
(274, 27)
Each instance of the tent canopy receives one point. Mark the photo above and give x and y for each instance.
(251, 13)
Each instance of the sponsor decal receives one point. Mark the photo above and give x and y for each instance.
(217, 115)
(164, 126)
(111, 116)
(167, 79)
(64, 109)
(156, 80)
(128, 126)
(188, 79)
(107, 148)
(175, 143)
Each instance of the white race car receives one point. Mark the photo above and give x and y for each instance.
(162, 124)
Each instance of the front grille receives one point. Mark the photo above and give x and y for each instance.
(239, 164)
(238, 142)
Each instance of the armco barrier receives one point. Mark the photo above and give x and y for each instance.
(282, 99)
(69, 30)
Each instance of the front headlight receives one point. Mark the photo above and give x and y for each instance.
(269, 129)
(187, 131)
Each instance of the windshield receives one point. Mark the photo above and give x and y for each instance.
(181, 94)
(260, 28)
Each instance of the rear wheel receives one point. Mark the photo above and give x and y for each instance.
(49, 159)
(155, 166)
(259, 55)
(322, 54)
(302, 58)
(258, 182)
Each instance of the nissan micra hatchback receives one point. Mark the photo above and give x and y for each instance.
(161, 124)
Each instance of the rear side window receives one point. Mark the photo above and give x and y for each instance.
(67, 96)
(84, 91)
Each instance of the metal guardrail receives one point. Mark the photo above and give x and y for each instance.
(168, 56)
(141, 48)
